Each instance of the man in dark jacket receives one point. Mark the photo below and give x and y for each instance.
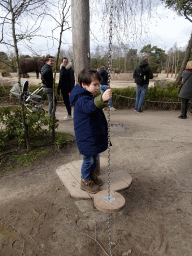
(142, 74)
(66, 84)
(47, 80)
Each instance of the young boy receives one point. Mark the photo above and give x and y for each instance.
(90, 125)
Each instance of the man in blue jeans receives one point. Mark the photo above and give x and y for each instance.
(142, 74)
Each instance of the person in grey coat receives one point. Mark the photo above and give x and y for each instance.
(186, 90)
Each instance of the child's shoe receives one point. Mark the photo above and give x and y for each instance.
(95, 179)
(89, 186)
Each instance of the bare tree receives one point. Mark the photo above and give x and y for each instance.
(11, 32)
(15, 15)
(128, 18)
(62, 25)
(183, 8)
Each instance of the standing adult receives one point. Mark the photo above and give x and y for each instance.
(186, 90)
(104, 84)
(142, 74)
(66, 84)
(47, 80)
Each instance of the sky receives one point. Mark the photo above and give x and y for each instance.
(163, 29)
(169, 29)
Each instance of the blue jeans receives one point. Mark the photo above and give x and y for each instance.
(103, 88)
(49, 92)
(88, 166)
(140, 95)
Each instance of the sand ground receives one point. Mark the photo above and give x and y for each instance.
(38, 217)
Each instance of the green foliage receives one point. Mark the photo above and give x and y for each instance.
(156, 56)
(29, 157)
(14, 156)
(131, 59)
(3, 56)
(61, 139)
(182, 7)
(156, 98)
(13, 128)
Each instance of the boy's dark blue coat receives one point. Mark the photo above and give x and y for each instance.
(89, 122)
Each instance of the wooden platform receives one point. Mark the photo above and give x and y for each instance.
(70, 175)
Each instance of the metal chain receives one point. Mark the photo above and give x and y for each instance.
(109, 79)
(108, 117)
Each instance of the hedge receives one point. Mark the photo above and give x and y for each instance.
(156, 98)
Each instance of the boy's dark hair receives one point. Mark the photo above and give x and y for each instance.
(87, 75)
(48, 57)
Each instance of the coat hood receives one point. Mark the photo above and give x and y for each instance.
(144, 64)
(69, 65)
(76, 93)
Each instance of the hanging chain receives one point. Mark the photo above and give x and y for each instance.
(109, 79)
(108, 116)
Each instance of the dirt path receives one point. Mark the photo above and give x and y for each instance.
(38, 217)
(122, 80)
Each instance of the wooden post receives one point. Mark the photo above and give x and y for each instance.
(80, 34)
(81, 40)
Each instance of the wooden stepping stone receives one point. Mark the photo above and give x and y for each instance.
(109, 204)
(70, 175)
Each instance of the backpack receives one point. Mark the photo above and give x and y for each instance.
(140, 76)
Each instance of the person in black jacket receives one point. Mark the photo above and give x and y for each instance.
(66, 84)
(185, 92)
(47, 80)
(142, 74)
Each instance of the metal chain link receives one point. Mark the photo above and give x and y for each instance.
(108, 116)
(109, 79)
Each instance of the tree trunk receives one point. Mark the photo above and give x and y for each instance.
(80, 34)
(81, 39)
(55, 73)
(25, 126)
(185, 60)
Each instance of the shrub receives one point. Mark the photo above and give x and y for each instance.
(12, 127)
(156, 98)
